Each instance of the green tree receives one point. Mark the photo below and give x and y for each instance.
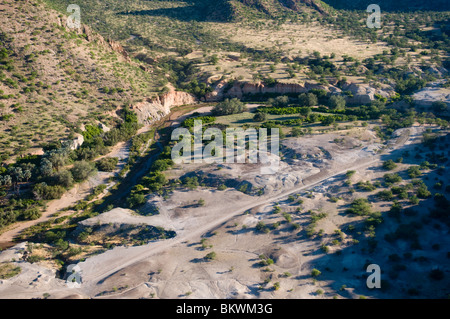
(211, 256)
(63, 178)
(337, 102)
(280, 101)
(361, 207)
(389, 165)
(297, 131)
(82, 170)
(260, 117)
(214, 59)
(315, 273)
(308, 99)
(414, 171)
(107, 164)
(228, 107)
(136, 200)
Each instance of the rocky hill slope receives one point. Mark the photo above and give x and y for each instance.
(53, 79)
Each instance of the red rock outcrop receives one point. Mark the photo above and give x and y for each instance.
(153, 109)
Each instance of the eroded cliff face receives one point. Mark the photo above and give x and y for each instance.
(361, 93)
(240, 89)
(153, 109)
(364, 93)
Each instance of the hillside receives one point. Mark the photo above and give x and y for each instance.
(55, 80)
(92, 120)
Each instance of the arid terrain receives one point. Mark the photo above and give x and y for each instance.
(94, 205)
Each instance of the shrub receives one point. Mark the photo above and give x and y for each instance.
(276, 286)
(389, 165)
(308, 99)
(162, 164)
(392, 178)
(211, 256)
(63, 178)
(228, 107)
(8, 271)
(385, 195)
(260, 117)
(297, 131)
(414, 172)
(107, 164)
(280, 101)
(423, 192)
(155, 181)
(414, 200)
(366, 186)
(44, 191)
(361, 207)
(82, 170)
(32, 214)
(191, 182)
(349, 174)
(337, 102)
(315, 273)
(34, 259)
(261, 226)
(136, 200)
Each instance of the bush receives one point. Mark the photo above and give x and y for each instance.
(308, 99)
(155, 181)
(228, 107)
(385, 195)
(63, 178)
(191, 182)
(280, 101)
(349, 174)
(260, 117)
(366, 186)
(211, 256)
(44, 191)
(297, 131)
(337, 102)
(107, 164)
(32, 214)
(414, 172)
(82, 170)
(423, 192)
(389, 165)
(361, 207)
(414, 200)
(136, 200)
(392, 178)
(162, 165)
(315, 272)
(261, 226)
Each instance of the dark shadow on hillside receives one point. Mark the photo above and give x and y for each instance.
(410, 246)
(196, 10)
(392, 6)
